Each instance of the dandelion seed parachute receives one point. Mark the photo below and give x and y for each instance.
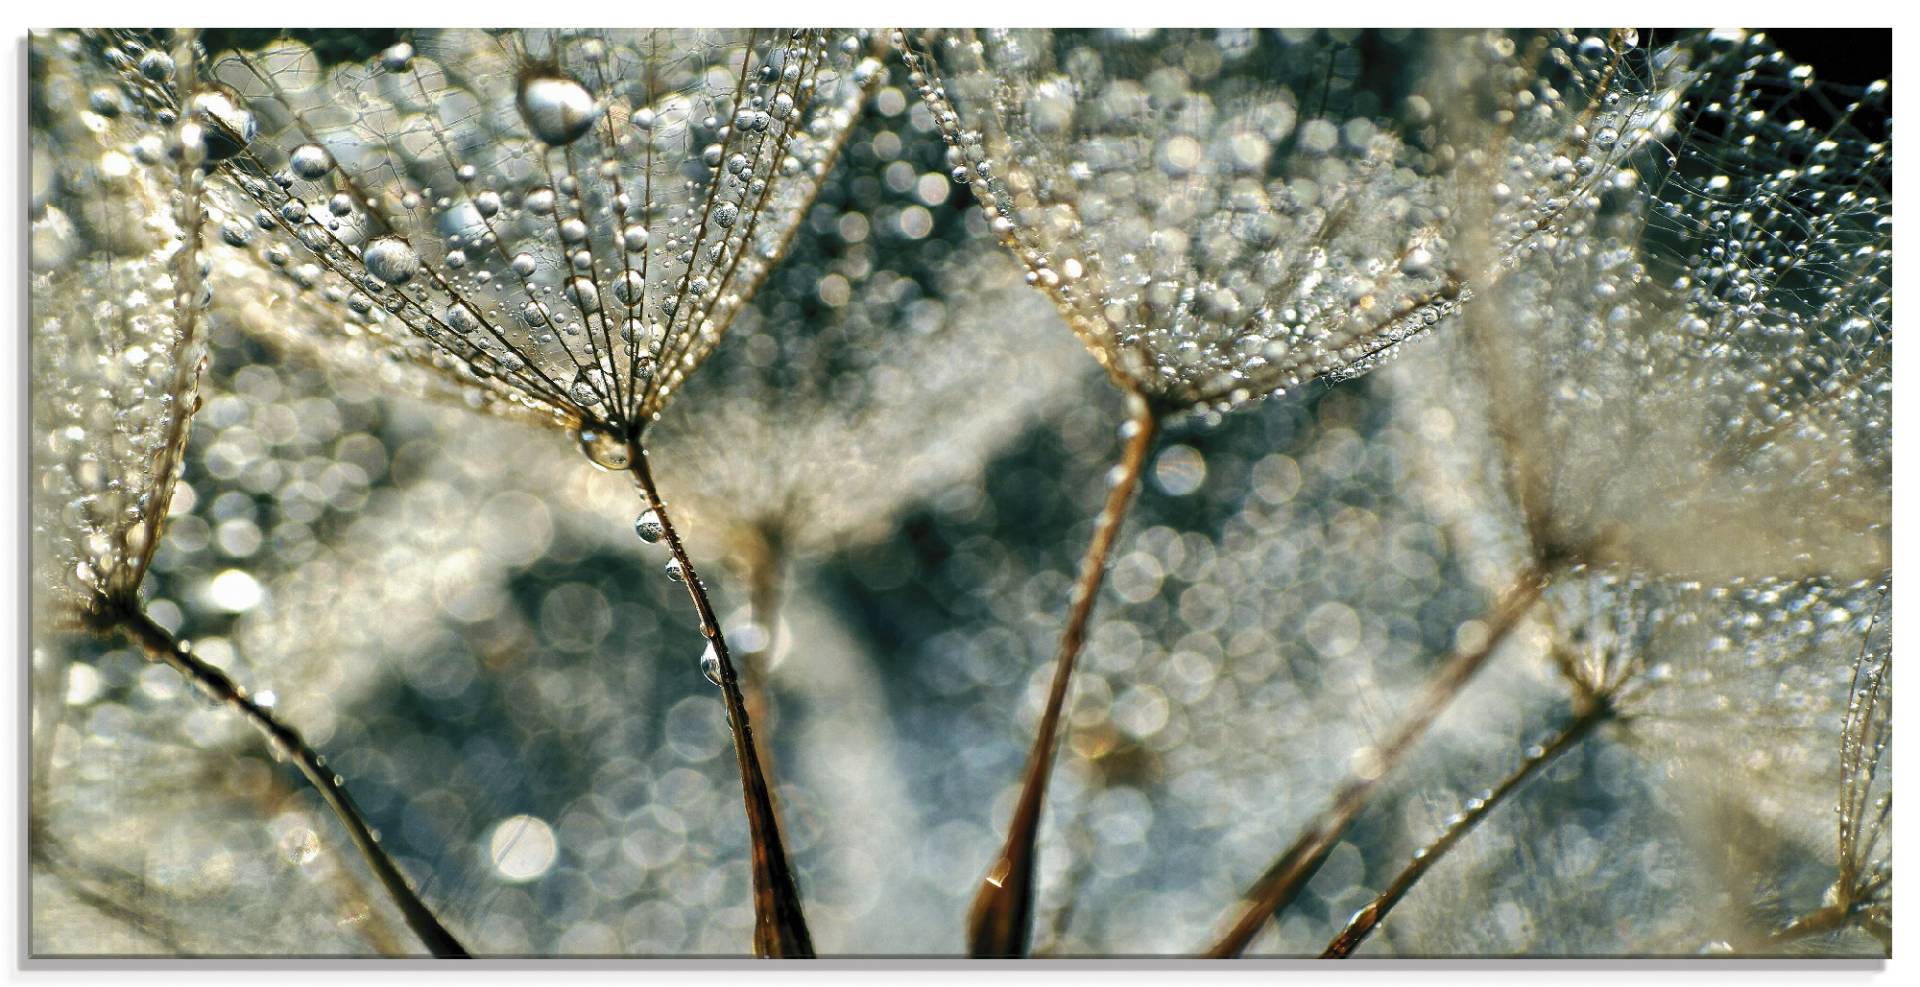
(1691, 378)
(121, 369)
(553, 224)
(1210, 241)
(1214, 225)
(497, 182)
(1717, 768)
(116, 340)
(1686, 387)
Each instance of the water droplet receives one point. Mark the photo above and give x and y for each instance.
(461, 319)
(710, 664)
(557, 109)
(604, 449)
(391, 260)
(157, 65)
(675, 572)
(649, 528)
(310, 161)
(629, 289)
(105, 102)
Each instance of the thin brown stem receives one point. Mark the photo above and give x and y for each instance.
(779, 926)
(1284, 880)
(1368, 918)
(1000, 923)
(161, 646)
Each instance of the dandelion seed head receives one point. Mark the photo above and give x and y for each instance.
(117, 297)
(1712, 338)
(487, 198)
(1216, 229)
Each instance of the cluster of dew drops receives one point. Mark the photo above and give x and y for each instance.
(557, 111)
(651, 530)
(608, 452)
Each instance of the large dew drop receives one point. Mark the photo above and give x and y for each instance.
(584, 392)
(391, 260)
(310, 161)
(710, 664)
(557, 109)
(157, 65)
(461, 318)
(648, 527)
(604, 449)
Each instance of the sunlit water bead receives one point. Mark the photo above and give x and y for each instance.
(157, 65)
(462, 319)
(675, 571)
(390, 259)
(605, 449)
(649, 528)
(557, 109)
(590, 388)
(710, 664)
(310, 162)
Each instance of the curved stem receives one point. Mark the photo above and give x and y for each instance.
(1368, 918)
(160, 645)
(1289, 874)
(1000, 922)
(779, 926)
